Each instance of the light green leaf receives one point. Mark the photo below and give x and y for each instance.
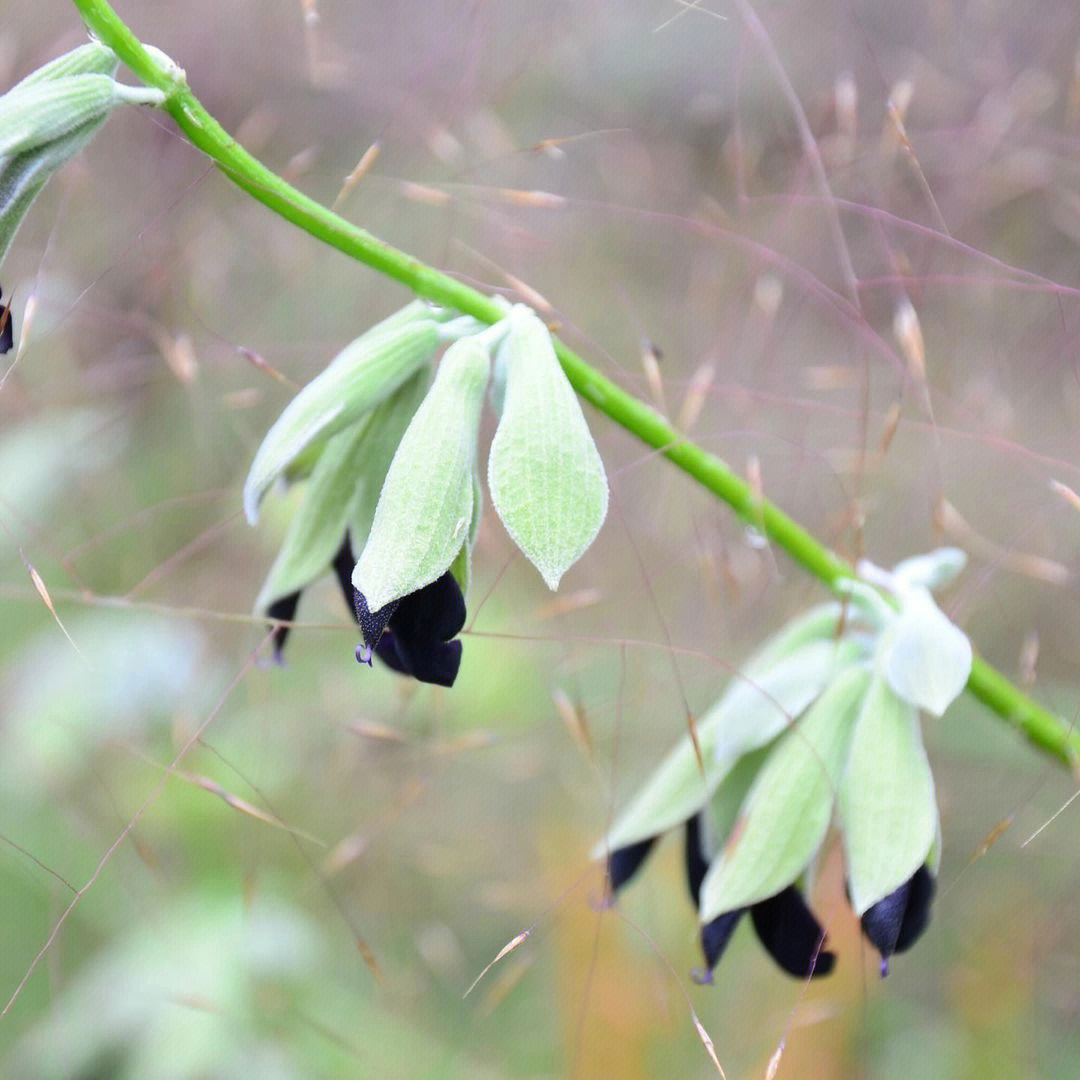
(925, 657)
(821, 623)
(759, 707)
(545, 475)
(427, 502)
(364, 373)
(786, 814)
(461, 567)
(886, 798)
(342, 493)
(318, 528)
(85, 59)
(385, 428)
(719, 814)
(752, 711)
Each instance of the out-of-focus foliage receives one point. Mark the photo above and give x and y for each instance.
(934, 400)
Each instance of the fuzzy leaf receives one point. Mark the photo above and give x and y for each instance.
(718, 816)
(385, 429)
(786, 814)
(90, 57)
(751, 712)
(925, 657)
(364, 373)
(461, 567)
(820, 623)
(886, 798)
(759, 707)
(427, 502)
(545, 475)
(342, 493)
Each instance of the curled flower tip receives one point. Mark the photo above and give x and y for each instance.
(283, 610)
(793, 937)
(624, 863)
(412, 636)
(364, 654)
(896, 921)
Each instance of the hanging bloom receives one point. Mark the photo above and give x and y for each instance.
(784, 924)
(897, 921)
(411, 636)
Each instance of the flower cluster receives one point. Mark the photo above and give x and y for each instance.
(823, 727)
(393, 496)
(784, 924)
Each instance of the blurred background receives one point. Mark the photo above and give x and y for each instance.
(838, 243)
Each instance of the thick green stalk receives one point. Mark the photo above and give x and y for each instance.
(1042, 727)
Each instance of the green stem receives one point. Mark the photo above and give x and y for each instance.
(1043, 728)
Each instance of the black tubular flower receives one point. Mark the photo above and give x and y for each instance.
(623, 864)
(895, 922)
(411, 636)
(283, 608)
(784, 924)
(414, 635)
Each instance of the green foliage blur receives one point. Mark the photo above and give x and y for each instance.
(211, 867)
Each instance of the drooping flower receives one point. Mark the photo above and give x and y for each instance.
(784, 924)
(412, 636)
(416, 635)
(895, 922)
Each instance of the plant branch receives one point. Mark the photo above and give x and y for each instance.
(1042, 727)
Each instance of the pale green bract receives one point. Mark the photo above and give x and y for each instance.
(90, 58)
(931, 570)
(786, 813)
(427, 503)
(888, 812)
(545, 475)
(793, 670)
(826, 719)
(342, 492)
(49, 117)
(42, 111)
(365, 373)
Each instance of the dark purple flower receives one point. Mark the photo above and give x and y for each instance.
(784, 924)
(623, 863)
(284, 609)
(896, 921)
(412, 635)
